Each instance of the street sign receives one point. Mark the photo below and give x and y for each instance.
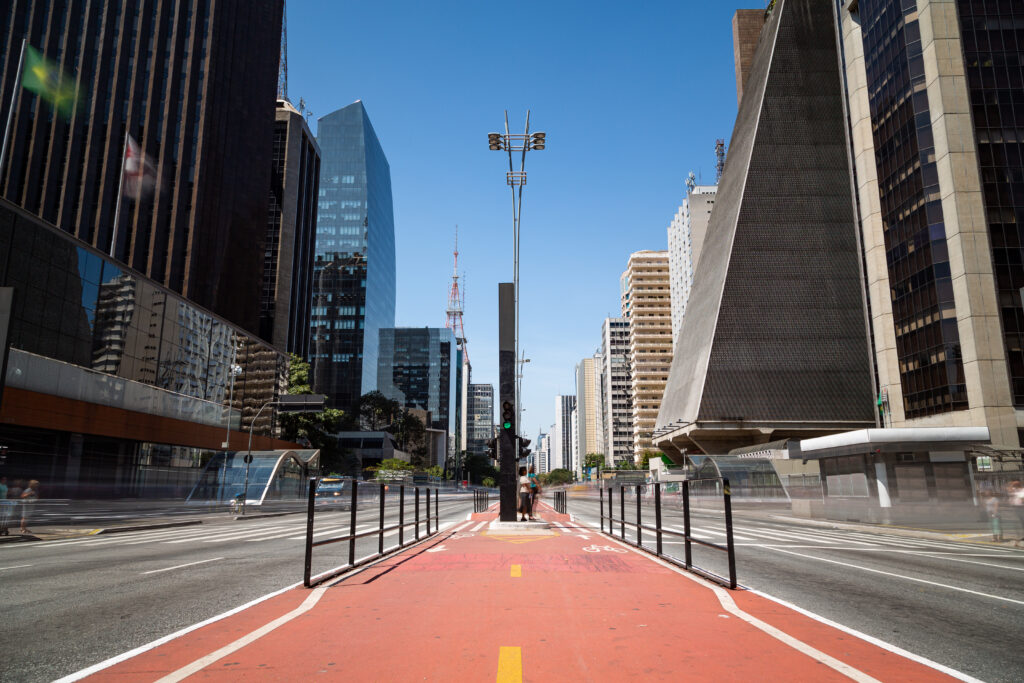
(301, 403)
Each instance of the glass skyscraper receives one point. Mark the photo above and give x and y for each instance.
(416, 366)
(354, 272)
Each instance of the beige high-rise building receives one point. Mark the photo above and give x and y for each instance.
(746, 29)
(588, 409)
(646, 304)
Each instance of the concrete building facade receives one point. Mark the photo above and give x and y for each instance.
(685, 240)
(942, 211)
(589, 436)
(480, 416)
(746, 29)
(616, 392)
(646, 304)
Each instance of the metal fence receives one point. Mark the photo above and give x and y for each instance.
(481, 500)
(704, 488)
(560, 502)
(354, 498)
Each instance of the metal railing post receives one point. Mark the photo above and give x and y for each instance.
(600, 492)
(437, 510)
(639, 532)
(657, 516)
(727, 496)
(416, 527)
(622, 511)
(309, 532)
(611, 512)
(686, 522)
(428, 511)
(380, 537)
(401, 515)
(352, 523)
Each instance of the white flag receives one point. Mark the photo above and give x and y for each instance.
(139, 172)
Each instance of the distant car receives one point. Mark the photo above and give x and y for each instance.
(330, 491)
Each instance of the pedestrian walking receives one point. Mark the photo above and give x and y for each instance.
(534, 489)
(5, 509)
(524, 496)
(1016, 502)
(28, 499)
(992, 508)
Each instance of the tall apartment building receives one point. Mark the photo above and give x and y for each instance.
(616, 391)
(562, 433)
(480, 416)
(685, 240)
(291, 233)
(646, 304)
(354, 273)
(194, 83)
(934, 90)
(542, 453)
(416, 366)
(589, 426)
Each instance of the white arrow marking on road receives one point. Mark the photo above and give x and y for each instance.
(437, 549)
(156, 571)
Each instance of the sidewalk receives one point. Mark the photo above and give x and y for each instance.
(476, 603)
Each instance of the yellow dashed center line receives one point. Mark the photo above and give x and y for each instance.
(510, 665)
(517, 571)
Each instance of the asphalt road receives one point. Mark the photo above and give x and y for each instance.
(959, 604)
(69, 604)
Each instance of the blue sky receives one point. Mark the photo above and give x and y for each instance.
(632, 97)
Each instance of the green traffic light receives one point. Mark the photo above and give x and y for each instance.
(507, 425)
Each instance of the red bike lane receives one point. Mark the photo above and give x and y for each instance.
(476, 603)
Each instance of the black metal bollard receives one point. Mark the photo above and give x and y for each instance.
(600, 493)
(639, 532)
(352, 523)
(727, 496)
(401, 515)
(686, 522)
(416, 528)
(657, 515)
(309, 532)
(380, 537)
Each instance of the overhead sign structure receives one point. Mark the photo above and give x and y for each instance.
(301, 403)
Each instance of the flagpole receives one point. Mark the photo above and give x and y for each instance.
(10, 110)
(120, 184)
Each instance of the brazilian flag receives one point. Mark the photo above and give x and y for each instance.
(44, 78)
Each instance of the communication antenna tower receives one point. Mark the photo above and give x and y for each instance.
(719, 159)
(691, 182)
(455, 303)
(282, 71)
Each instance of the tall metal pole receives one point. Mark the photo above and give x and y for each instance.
(10, 109)
(248, 455)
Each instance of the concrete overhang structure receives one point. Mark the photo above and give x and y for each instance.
(892, 440)
(774, 343)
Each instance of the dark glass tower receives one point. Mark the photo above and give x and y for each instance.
(193, 81)
(416, 366)
(354, 273)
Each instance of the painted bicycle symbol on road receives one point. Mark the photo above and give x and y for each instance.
(602, 548)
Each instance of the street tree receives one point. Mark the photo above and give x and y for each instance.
(594, 460)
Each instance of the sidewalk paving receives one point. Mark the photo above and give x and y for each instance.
(479, 603)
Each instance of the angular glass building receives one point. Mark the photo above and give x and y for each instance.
(354, 271)
(416, 366)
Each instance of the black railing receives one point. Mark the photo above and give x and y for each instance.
(560, 502)
(658, 530)
(309, 581)
(481, 500)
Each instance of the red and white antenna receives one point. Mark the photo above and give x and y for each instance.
(455, 302)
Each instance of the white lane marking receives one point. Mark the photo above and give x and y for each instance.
(900, 576)
(871, 639)
(696, 533)
(201, 663)
(461, 526)
(272, 535)
(181, 566)
(730, 606)
(823, 540)
(233, 533)
(17, 566)
(437, 549)
(479, 526)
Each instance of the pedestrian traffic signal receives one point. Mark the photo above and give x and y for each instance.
(524, 450)
(492, 448)
(508, 417)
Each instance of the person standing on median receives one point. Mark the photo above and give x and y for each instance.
(1016, 501)
(525, 511)
(28, 498)
(534, 489)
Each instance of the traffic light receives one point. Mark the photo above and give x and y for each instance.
(524, 450)
(492, 448)
(508, 417)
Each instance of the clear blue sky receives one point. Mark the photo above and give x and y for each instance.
(631, 95)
